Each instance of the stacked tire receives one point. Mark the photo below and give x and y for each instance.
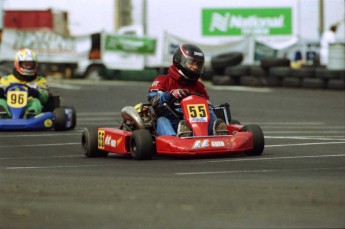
(226, 69)
(220, 63)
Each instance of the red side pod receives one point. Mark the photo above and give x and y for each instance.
(113, 140)
(207, 145)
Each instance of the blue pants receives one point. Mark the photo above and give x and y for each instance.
(167, 126)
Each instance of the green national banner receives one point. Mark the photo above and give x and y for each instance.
(247, 21)
(130, 44)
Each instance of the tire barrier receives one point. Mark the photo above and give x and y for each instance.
(220, 62)
(281, 76)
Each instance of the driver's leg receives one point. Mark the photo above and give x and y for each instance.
(4, 112)
(165, 127)
(212, 120)
(34, 107)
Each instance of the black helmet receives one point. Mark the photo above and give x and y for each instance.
(189, 60)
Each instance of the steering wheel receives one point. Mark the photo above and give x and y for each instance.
(175, 103)
(16, 84)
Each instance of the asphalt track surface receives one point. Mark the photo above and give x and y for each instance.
(298, 182)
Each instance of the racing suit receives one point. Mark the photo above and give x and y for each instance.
(35, 104)
(159, 93)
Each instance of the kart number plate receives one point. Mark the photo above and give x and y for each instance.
(197, 113)
(101, 134)
(17, 99)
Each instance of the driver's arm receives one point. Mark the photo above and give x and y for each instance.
(157, 98)
(42, 89)
(202, 90)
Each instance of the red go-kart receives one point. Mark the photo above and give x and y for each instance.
(136, 135)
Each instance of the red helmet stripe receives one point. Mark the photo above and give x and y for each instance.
(184, 51)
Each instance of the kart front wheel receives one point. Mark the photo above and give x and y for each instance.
(141, 144)
(89, 143)
(60, 119)
(258, 139)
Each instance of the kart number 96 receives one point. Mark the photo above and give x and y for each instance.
(17, 99)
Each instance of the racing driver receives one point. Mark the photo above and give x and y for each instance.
(25, 72)
(182, 79)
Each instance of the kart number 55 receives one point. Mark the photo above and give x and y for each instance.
(197, 111)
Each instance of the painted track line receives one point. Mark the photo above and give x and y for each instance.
(305, 144)
(276, 158)
(258, 171)
(39, 145)
(39, 135)
(324, 138)
(25, 158)
(55, 167)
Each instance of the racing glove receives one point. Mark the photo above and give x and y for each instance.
(179, 93)
(2, 93)
(34, 92)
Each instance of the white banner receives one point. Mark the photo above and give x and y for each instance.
(243, 45)
(48, 46)
(120, 59)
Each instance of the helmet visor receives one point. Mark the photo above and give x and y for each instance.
(28, 65)
(192, 64)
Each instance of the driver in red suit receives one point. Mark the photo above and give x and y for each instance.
(182, 78)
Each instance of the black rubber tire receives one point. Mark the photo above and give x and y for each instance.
(324, 73)
(292, 82)
(314, 83)
(280, 72)
(207, 74)
(237, 71)
(141, 144)
(272, 81)
(74, 117)
(60, 119)
(250, 81)
(336, 84)
(274, 62)
(223, 80)
(89, 143)
(257, 71)
(303, 72)
(220, 62)
(258, 139)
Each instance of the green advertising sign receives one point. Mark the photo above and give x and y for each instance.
(256, 21)
(139, 45)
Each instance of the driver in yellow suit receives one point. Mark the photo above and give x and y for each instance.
(25, 72)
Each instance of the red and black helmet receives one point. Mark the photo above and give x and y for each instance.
(189, 60)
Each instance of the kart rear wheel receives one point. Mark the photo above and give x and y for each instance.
(60, 119)
(73, 117)
(89, 143)
(141, 144)
(258, 139)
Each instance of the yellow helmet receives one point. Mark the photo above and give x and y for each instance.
(138, 107)
(143, 111)
(25, 64)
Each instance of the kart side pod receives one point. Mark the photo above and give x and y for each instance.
(130, 114)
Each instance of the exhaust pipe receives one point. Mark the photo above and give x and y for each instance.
(129, 113)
